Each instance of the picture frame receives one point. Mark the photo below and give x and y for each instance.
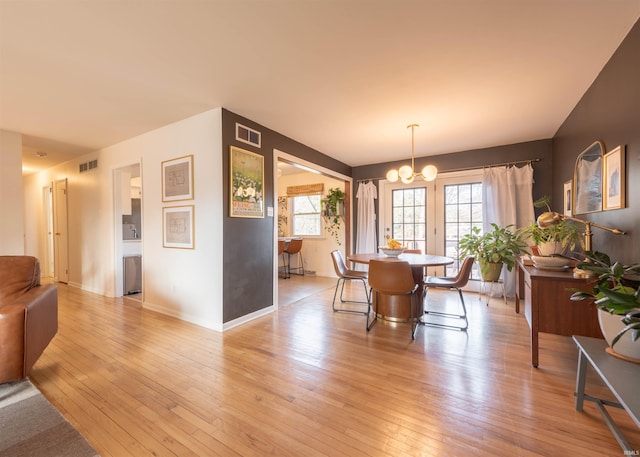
(248, 135)
(587, 180)
(177, 179)
(178, 227)
(568, 206)
(246, 183)
(614, 179)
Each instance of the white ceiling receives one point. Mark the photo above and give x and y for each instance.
(342, 76)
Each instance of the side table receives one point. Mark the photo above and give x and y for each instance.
(619, 375)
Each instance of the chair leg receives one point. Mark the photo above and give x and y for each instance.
(414, 312)
(342, 300)
(448, 315)
(375, 315)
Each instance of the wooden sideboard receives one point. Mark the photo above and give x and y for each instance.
(548, 308)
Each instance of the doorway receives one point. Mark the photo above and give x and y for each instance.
(305, 217)
(48, 258)
(128, 232)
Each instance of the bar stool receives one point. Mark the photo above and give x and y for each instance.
(281, 244)
(294, 247)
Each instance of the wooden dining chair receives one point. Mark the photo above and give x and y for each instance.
(451, 283)
(393, 277)
(344, 275)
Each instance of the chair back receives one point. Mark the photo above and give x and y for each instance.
(412, 251)
(391, 276)
(338, 263)
(462, 278)
(294, 246)
(280, 246)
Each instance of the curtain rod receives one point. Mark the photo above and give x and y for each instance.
(504, 164)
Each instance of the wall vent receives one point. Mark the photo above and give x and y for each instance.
(88, 165)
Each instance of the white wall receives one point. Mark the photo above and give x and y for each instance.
(11, 199)
(316, 251)
(179, 282)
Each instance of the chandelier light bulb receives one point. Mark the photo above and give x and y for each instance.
(408, 180)
(392, 175)
(429, 172)
(405, 172)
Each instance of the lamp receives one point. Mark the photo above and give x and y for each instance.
(407, 173)
(551, 218)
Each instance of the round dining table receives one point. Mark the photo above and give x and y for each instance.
(397, 308)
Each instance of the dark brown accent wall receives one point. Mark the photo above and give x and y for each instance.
(478, 158)
(248, 243)
(609, 111)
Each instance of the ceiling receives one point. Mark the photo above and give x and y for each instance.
(342, 76)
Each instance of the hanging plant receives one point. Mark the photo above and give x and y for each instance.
(333, 211)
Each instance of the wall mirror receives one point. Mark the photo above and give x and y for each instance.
(587, 179)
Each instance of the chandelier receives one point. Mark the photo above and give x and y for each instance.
(407, 173)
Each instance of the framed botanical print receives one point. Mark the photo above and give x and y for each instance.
(567, 208)
(247, 183)
(614, 179)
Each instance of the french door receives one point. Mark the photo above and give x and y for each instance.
(432, 216)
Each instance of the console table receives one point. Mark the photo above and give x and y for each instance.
(548, 308)
(619, 375)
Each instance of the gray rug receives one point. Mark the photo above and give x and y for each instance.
(31, 426)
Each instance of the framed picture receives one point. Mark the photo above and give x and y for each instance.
(587, 180)
(567, 198)
(247, 135)
(177, 228)
(614, 179)
(177, 179)
(246, 182)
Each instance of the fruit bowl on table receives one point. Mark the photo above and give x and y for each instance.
(391, 252)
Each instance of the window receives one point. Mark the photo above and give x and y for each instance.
(408, 217)
(462, 211)
(305, 211)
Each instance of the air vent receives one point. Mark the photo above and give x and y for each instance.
(247, 135)
(88, 165)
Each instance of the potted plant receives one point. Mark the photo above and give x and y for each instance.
(616, 291)
(333, 211)
(500, 246)
(555, 239)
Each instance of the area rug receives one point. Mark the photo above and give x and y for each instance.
(31, 426)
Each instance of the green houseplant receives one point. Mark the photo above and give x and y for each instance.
(492, 249)
(555, 239)
(333, 211)
(616, 291)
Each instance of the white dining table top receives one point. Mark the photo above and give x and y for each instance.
(415, 260)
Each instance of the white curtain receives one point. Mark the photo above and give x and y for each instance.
(366, 231)
(507, 200)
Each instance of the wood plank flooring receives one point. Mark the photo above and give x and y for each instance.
(305, 381)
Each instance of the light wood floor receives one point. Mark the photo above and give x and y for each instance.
(305, 381)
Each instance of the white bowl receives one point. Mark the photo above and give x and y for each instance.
(542, 261)
(391, 252)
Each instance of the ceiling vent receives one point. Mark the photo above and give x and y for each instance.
(88, 165)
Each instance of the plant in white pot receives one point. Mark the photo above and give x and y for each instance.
(616, 291)
(493, 249)
(555, 239)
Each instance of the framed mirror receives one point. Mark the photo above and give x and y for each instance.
(587, 180)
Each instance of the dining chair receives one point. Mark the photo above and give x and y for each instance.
(412, 251)
(344, 275)
(392, 277)
(451, 283)
(281, 244)
(294, 247)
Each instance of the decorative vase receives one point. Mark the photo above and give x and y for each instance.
(625, 348)
(490, 271)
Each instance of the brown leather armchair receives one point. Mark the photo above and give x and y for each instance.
(28, 316)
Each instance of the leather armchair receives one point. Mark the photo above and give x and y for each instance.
(28, 316)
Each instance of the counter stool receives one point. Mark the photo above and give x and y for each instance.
(282, 269)
(294, 247)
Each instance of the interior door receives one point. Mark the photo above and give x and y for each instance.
(47, 263)
(60, 227)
